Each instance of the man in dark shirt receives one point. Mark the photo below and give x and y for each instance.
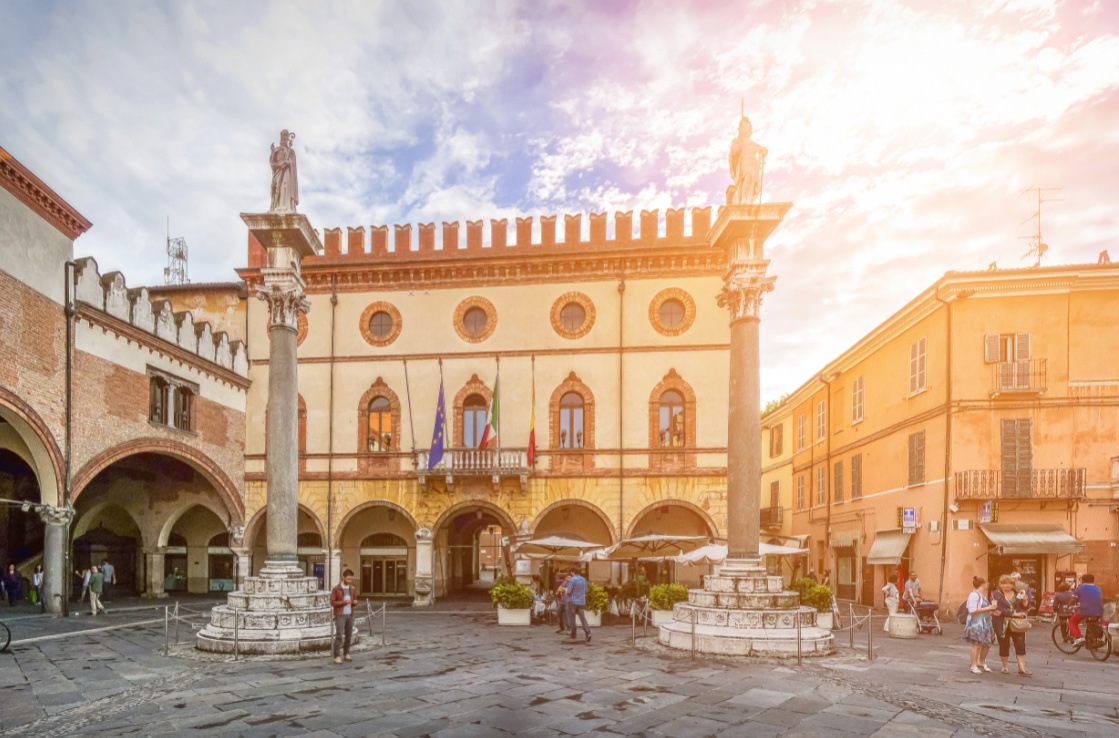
(1090, 599)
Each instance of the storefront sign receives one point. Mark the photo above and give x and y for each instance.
(907, 519)
(989, 512)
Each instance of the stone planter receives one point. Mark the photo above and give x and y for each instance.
(514, 617)
(660, 617)
(824, 620)
(903, 626)
(594, 619)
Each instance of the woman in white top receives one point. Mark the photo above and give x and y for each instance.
(890, 591)
(978, 630)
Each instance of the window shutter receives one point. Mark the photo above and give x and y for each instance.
(856, 476)
(1008, 457)
(991, 348)
(780, 439)
(839, 481)
(775, 494)
(1024, 461)
(921, 458)
(1022, 357)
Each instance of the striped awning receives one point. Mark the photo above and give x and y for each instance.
(1036, 538)
(888, 547)
(843, 538)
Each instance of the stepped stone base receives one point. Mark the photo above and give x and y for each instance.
(271, 615)
(744, 612)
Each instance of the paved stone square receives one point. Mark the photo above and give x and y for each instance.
(456, 673)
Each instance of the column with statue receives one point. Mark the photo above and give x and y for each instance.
(742, 610)
(282, 610)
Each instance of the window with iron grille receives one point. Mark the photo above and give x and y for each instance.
(917, 458)
(917, 367)
(800, 432)
(838, 484)
(856, 476)
(821, 419)
(857, 400)
(821, 484)
(800, 492)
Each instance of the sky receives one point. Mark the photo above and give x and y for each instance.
(905, 133)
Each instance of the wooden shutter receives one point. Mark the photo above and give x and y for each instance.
(991, 348)
(780, 439)
(917, 458)
(839, 481)
(1022, 359)
(856, 476)
(1016, 456)
(1024, 453)
(775, 494)
(921, 457)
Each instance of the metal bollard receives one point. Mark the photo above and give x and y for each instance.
(695, 616)
(236, 636)
(851, 626)
(870, 636)
(384, 616)
(166, 633)
(176, 622)
(800, 654)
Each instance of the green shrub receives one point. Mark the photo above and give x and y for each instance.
(511, 595)
(634, 589)
(664, 596)
(597, 599)
(818, 597)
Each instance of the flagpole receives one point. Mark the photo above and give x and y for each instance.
(408, 392)
(532, 417)
(497, 405)
(445, 404)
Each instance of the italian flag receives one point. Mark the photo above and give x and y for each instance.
(489, 435)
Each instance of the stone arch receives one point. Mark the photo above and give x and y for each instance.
(353, 513)
(473, 386)
(203, 464)
(451, 512)
(253, 524)
(368, 459)
(672, 457)
(707, 520)
(173, 518)
(592, 508)
(576, 385)
(84, 518)
(47, 457)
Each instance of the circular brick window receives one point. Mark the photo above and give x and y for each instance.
(573, 315)
(301, 322)
(475, 319)
(380, 324)
(672, 311)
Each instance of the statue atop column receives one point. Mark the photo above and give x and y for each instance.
(285, 184)
(747, 162)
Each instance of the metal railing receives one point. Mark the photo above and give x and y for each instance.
(1027, 375)
(772, 516)
(1044, 484)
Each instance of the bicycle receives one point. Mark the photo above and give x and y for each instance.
(5, 637)
(1096, 638)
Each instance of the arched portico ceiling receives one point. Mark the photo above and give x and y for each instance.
(680, 517)
(353, 515)
(86, 520)
(551, 520)
(486, 508)
(197, 460)
(39, 443)
(193, 510)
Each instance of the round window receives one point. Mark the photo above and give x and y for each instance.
(380, 325)
(474, 321)
(672, 313)
(573, 316)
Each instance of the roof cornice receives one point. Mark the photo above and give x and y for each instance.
(34, 193)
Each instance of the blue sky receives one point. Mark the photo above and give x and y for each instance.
(904, 132)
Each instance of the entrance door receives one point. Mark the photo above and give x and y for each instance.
(868, 588)
(384, 577)
(845, 573)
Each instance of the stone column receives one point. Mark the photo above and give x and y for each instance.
(56, 522)
(425, 558)
(155, 568)
(334, 569)
(283, 291)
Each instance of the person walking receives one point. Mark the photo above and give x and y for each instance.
(342, 601)
(109, 574)
(1013, 606)
(978, 630)
(577, 590)
(912, 591)
(562, 607)
(37, 585)
(84, 574)
(12, 582)
(890, 592)
(96, 587)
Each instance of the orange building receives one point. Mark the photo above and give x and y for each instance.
(973, 432)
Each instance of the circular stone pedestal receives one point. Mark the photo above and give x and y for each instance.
(745, 613)
(903, 626)
(271, 616)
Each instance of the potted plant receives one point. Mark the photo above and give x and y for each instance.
(820, 598)
(597, 603)
(663, 597)
(513, 602)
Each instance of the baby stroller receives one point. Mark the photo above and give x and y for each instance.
(927, 622)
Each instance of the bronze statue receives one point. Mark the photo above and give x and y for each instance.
(285, 185)
(747, 162)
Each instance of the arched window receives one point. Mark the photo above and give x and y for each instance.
(473, 420)
(672, 420)
(571, 421)
(383, 540)
(308, 540)
(380, 425)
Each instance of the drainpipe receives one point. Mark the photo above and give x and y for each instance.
(621, 408)
(330, 441)
(947, 439)
(68, 272)
(827, 380)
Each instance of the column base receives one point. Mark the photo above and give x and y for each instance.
(281, 568)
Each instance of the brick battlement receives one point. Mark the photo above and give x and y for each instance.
(455, 239)
(109, 294)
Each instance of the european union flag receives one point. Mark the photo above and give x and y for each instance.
(435, 455)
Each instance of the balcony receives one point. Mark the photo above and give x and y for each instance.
(1037, 484)
(1018, 377)
(772, 516)
(495, 463)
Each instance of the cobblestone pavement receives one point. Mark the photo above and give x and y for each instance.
(459, 674)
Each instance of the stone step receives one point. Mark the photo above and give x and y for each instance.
(255, 602)
(268, 585)
(761, 618)
(224, 616)
(215, 642)
(727, 641)
(746, 583)
(731, 600)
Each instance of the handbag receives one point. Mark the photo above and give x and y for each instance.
(1020, 625)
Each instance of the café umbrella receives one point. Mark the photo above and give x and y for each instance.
(654, 545)
(556, 547)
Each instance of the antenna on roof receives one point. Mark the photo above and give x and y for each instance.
(1038, 247)
(176, 270)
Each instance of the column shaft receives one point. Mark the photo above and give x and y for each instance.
(54, 578)
(743, 442)
(283, 446)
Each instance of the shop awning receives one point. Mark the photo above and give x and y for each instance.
(844, 538)
(1031, 539)
(888, 547)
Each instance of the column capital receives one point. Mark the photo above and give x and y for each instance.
(285, 302)
(55, 515)
(743, 288)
